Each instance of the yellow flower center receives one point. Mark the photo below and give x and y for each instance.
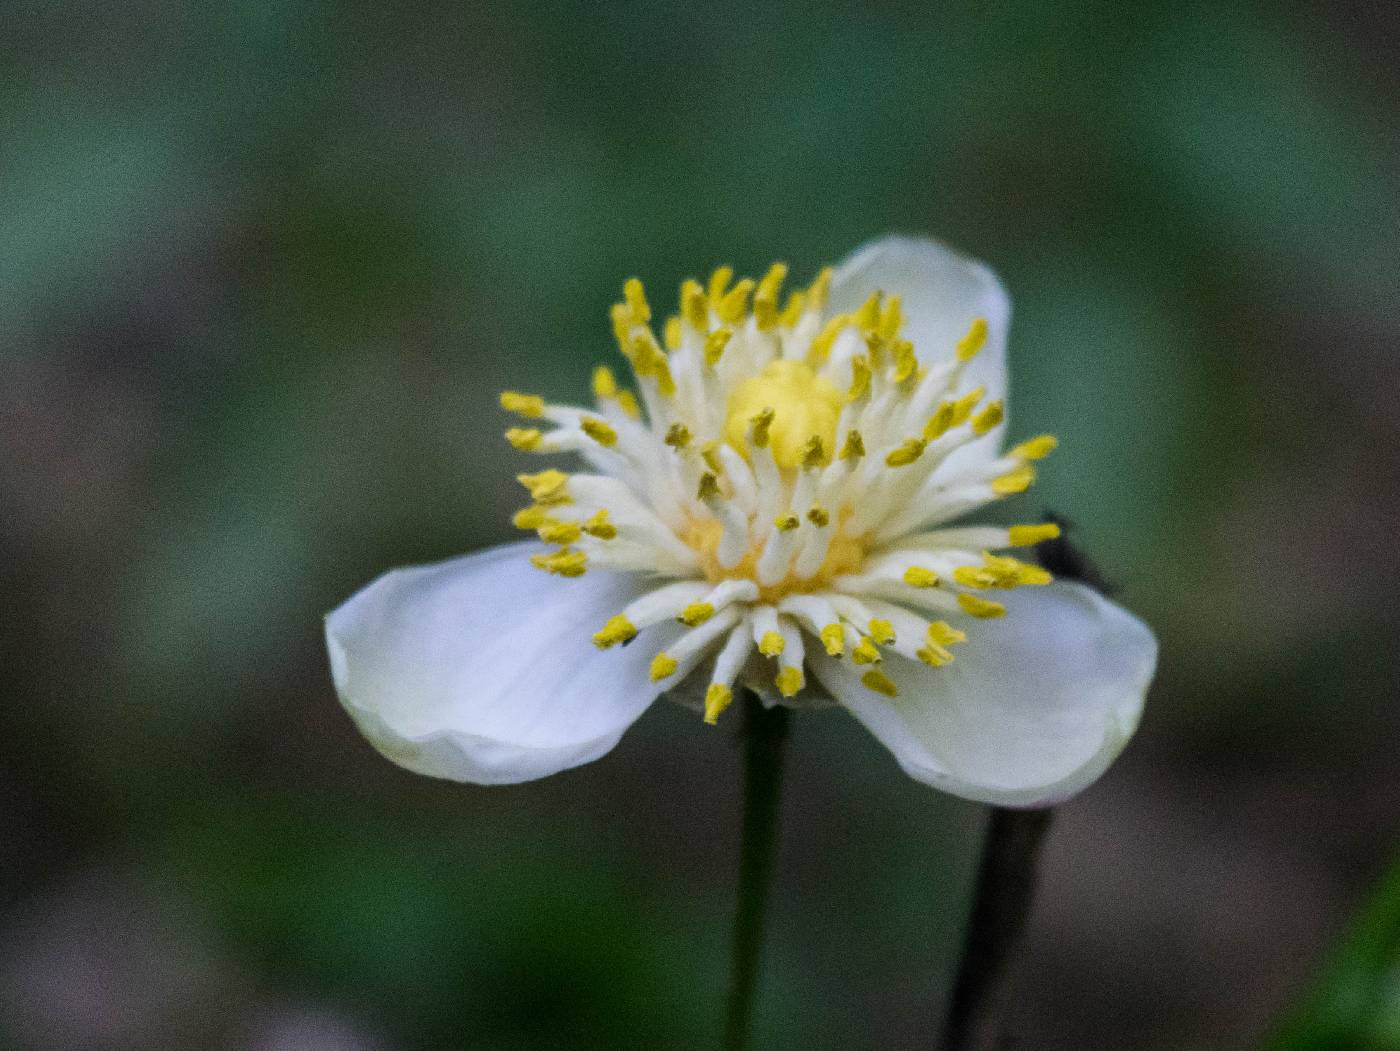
(804, 405)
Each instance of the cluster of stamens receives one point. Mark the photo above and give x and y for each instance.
(780, 477)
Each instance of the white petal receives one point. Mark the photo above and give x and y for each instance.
(943, 292)
(483, 668)
(1033, 709)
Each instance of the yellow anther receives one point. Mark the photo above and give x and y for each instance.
(735, 302)
(556, 532)
(710, 454)
(818, 516)
(906, 453)
(867, 318)
(547, 487)
(662, 665)
(618, 629)
(765, 297)
(854, 447)
(600, 527)
(866, 652)
(677, 436)
(760, 424)
(1016, 480)
(671, 332)
(530, 517)
(975, 577)
(939, 423)
(525, 438)
(694, 307)
(627, 401)
(988, 418)
(792, 312)
(696, 614)
(906, 362)
(604, 383)
(529, 405)
(882, 631)
(971, 344)
(934, 656)
(833, 637)
(813, 452)
(962, 408)
(891, 318)
(636, 298)
(1026, 535)
(789, 680)
(820, 349)
(1037, 448)
(715, 343)
(786, 523)
(819, 289)
(941, 633)
(708, 489)
(1012, 572)
(648, 359)
(600, 431)
(622, 325)
(562, 563)
(860, 379)
(772, 644)
(718, 697)
(879, 682)
(719, 283)
(919, 577)
(976, 606)
(875, 346)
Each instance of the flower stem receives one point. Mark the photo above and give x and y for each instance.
(763, 734)
(1001, 905)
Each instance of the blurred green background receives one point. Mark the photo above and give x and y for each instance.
(264, 267)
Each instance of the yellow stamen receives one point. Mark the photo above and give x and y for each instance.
(820, 349)
(971, 344)
(694, 306)
(792, 313)
(834, 639)
(941, 633)
(710, 454)
(696, 614)
(962, 408)
(765, 297)
(772, 644)
(818, 516)
(868, 316)
(860, 379)
(1017, 480)
(1026, 535)
(789, 680)
(813, 452)
(671, 332)
(879, 682)
(637, 300)
(618, 629)
(600, 527)
(988, 418)
(718, 697)
(719, 282)
(662, 665)
(556, 532)
(528, 405)
(891, 318)
(786, 523)
(1036, 448)
(906, 362)
(678, 436)
(526, 439)
(735, 303)
(979, 607)
(604, 383)
(761, 424)
(708, 489)
(882, 631)
(817, 293)
(854, 448)
(546, 487)
(939, 423)
(531, 517)
(599, 431)
(919, 577)
(715, 343)
(564, 563)
(907, 453)
(627, 401)
(866, 652)
(934, 656)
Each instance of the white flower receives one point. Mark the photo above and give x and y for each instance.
(775, 513)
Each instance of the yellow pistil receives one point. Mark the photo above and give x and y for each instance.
(618, 629)
(717, 698)
(788, 405)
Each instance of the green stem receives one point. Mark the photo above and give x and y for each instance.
(763, 735)
(1000, 908)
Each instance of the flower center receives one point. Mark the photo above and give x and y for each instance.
(804, 406)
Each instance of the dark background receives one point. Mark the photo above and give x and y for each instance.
(264, 267)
